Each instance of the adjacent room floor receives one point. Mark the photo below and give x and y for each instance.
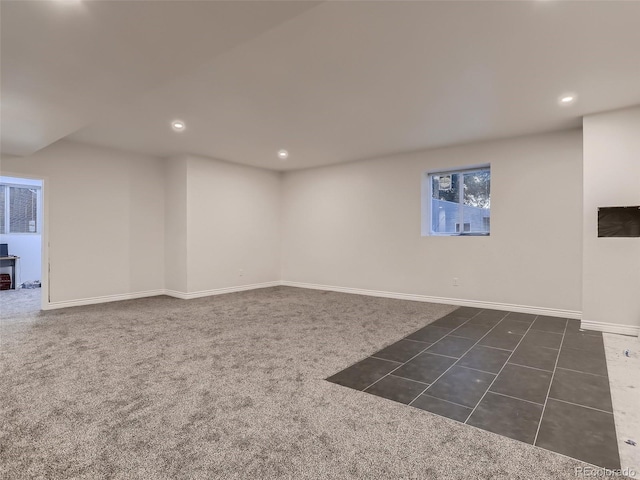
(15, 304)
(231, 386)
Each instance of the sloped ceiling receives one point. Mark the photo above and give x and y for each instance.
(330, 82)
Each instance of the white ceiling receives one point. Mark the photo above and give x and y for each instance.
(332, 82)
(68, 63)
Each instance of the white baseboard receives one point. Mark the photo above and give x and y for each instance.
(155, 293)
(632, 330)
(615, 328)
(220, 291)
(551, 312)
(104, 299)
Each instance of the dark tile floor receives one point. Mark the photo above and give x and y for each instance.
(540, 380)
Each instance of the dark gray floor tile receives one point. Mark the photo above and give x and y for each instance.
(429, 334)
(575, 327)
(474, 332)
(582, 388)
(484, 358)
(401, 351)
(451, 346)
(363, 373)
(484, 321)
(579, 432)
(549, 324)
(511, 326)
(425, 367)
(537, 357)
(500, 314)
(440, 407)
(397, 389)
(538, 338)
(506, 416)
(523, 382)
(505, 340)
(583, 361)
(467, 311)
(583, 341)
(449, 321)
(521, 317)
(462, 386)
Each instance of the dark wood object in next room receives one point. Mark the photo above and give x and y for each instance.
(5, 281)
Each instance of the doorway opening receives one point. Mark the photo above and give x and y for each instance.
(21, 231)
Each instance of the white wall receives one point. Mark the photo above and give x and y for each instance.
(358, 225)
(29, 248)
(106, 219)
(611, 266)
(353, 225)
(111, 213)
(233, 224)
(175, 226)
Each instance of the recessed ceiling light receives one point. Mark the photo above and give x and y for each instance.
(283, 154)
(567, 99)
(178, 125)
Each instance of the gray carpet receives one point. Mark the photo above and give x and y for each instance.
(230, 386)
(16, 304)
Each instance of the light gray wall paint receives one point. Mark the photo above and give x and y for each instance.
(354, 225)
(105, 219)
(611, 266)
(175, 227)
(233, 224)
(358, 225)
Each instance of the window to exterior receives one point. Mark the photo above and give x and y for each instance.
(19, 209)
(459, 202)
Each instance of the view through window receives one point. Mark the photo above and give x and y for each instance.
(460, 202)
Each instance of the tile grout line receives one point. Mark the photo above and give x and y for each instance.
(410, 379)
(475, 370)
(421, 352)
(555, 367)
(586, 373)
(498, 348)
(389, 373)
(578, 405)
(515, 398)
(442, 354)
(564, 455)
(459, 358)
(411, 339)
(534, 368)
(385, 359)
(443, 400)
(505, 364)
(554, 333)
(486, 346)
(484, 430)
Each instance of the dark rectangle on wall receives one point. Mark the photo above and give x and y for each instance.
(619, 221)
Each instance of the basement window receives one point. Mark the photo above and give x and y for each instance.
(19, 209)
(457, 202)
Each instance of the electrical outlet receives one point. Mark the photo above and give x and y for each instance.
(456, 282)
(241, 273)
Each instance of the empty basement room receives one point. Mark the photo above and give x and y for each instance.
(320, 239)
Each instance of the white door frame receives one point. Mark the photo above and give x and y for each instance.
(45, 285)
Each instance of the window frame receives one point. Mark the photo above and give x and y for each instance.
(427, 194)
(6, 228)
